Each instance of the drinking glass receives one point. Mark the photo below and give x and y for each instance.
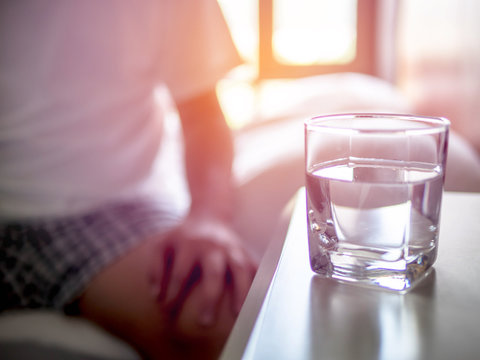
(374, 185)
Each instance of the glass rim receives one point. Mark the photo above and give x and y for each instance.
(411, 123)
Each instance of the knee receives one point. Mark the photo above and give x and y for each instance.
(184, 337)
(120, 300)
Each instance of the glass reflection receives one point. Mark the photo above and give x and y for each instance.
(350, 322)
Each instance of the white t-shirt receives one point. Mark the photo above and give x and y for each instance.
(78, 122)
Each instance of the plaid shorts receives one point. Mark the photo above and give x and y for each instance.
(48, 263)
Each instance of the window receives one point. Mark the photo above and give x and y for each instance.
(285, 39)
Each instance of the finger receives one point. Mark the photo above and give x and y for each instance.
(164, 271)
(175, 307)
(212, 286)
(242, 271)
(183, 264)
(158, 276)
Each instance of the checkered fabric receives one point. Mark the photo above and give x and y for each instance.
(48, 263)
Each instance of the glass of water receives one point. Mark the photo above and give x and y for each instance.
(374, 189)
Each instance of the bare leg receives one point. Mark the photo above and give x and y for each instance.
(120, 300)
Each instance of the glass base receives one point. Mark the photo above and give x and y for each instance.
(399, 276)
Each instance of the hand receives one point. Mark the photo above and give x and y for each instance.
(204, 253)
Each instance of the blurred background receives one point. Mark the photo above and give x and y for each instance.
(428, 51)
(311, 57)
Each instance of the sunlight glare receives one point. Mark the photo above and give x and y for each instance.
(241, 17)
(307, 32)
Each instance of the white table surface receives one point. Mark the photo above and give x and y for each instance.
(292, 313)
